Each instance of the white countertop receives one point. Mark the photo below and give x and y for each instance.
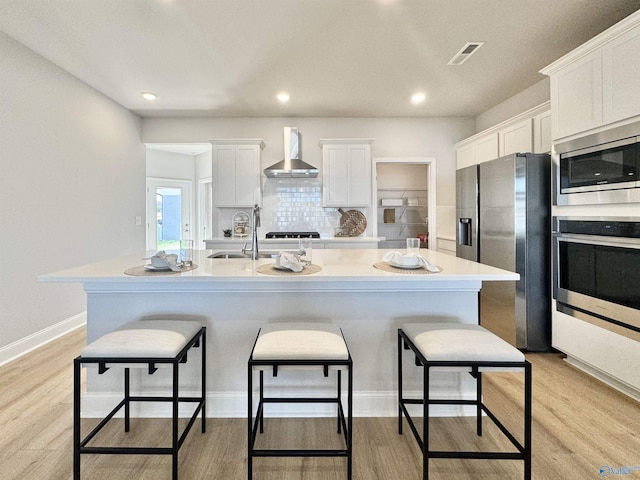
(294, 240)
(337, 265)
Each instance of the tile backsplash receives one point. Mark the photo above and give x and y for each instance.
(292, 204)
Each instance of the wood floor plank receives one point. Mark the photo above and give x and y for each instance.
(579, 425)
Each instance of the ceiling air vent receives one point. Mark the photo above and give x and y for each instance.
(465, 52)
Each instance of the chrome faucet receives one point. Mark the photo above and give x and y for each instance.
(254, 238)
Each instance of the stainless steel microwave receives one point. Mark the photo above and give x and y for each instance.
(600, 168)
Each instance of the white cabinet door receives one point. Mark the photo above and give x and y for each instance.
(466, 156)
(621, 77)
(516, 138)
(335, 175)
(360, 175)
(346, 175)
(480, 150)
(542, 133)
(224, 174)
(576, 96)
(236, 173)
(487, 148)
(247, 175)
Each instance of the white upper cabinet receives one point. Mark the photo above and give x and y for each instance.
(480, 149)
(516, 138)
(528, 132)
(598, 83)
(542, 132)
(621, 77)
(236, 172)
(487, 148)
(576, 96)
(346, 172)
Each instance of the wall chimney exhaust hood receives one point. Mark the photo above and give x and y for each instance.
(291, 166)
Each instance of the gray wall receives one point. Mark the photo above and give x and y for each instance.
(72, 176)
(533, 96)
(393, 137)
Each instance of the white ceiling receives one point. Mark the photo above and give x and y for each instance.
(336, 58)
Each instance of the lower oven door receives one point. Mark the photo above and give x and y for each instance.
(598, 276)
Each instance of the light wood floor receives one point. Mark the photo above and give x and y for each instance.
(579, 425)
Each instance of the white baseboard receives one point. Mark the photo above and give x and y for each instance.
(25, 345)
(234, 405)
(604, 377)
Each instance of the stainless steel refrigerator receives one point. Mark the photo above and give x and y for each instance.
(504, 221)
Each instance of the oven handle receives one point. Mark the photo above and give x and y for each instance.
(599, 148)
(620, 242)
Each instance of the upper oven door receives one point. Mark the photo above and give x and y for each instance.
(608, 166)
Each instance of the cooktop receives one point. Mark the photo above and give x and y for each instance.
(293, 235)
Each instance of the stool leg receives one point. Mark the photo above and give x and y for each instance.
(76, 419)
(425, 424)
(399, 383)
(127, 413)
(261, 401)
(527, 420)
(350, 423)
(339, 398)
(174, 456)
(203, 346)
(250, 423)
(478, 401)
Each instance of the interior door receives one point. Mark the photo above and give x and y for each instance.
(169, 213)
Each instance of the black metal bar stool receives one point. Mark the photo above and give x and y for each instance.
(300, 345)
(463, 347)
(149, 344)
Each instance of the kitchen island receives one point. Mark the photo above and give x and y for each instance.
(233, 299)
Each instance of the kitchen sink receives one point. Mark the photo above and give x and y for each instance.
(263, 254)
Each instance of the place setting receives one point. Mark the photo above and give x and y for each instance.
(287, 263)
(163, 263)
(410, 262)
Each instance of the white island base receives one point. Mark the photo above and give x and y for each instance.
(233, 300)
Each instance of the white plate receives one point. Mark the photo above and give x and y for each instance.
(405, 267)
(284, 269)
(157, 269)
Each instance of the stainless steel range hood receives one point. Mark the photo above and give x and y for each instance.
(291, 166)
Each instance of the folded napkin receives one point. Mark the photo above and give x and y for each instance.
(396, 257)
(163, 260)
(289, 261)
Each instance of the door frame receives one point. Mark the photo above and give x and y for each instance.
(430, 162)
(204, 217)
(152, 183)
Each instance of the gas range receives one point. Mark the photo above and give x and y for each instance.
(293, 235)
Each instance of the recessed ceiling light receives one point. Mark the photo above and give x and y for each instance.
(283, 97)
(148, 95)
(417, 98)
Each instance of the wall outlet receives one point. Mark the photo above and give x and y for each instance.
(138, 220)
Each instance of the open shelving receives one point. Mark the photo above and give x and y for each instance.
(398, 222)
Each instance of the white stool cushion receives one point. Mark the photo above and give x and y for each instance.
(144, 338)
(300, 341)
(460, 342)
